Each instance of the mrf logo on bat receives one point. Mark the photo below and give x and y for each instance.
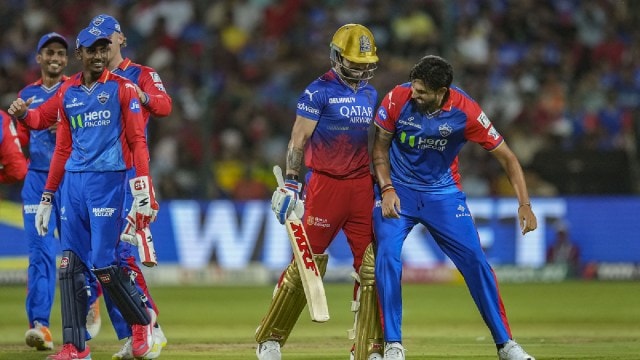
(303, 247)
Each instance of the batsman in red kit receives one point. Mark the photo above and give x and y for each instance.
(331, 133)
(13, 165)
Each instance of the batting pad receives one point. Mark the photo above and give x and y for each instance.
(74, 298)
(367, 327)
(287, 304)
(119, 287)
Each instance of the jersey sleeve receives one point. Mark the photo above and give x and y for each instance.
(390, 108)
(44, 115)
(61, 153)
(479, 128)
(133, 123)
(159, 103)
(24, 135)
(14, 164)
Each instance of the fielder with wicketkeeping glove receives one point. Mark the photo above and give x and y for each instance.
(100, 136)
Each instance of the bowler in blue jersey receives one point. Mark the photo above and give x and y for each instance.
(420, 128)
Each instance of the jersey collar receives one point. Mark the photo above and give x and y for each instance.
(77, 78)
(124, 64)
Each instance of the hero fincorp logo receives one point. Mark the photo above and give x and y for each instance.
(423, 143)
(91, 119)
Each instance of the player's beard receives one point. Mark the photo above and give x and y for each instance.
(429, 108)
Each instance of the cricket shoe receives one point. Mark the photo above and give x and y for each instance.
(69, 352)
(513, 351)
(39, 337)
(142, 338)
(269, 350)
(393, 351)
(125, 353)
(93, 319)
(159, 335)
(374, 356)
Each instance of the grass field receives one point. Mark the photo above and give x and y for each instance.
(573, 320)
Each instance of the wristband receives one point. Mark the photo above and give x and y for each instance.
(525, 204)
(386, 188)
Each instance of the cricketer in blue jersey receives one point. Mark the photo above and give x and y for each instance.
(52, 58)
(157, 103)
(421, 127)
(330, 138)
(100, 136)
(41, 284)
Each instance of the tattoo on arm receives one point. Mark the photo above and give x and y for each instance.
(294, 159)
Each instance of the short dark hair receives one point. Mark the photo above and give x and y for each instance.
(434, 71)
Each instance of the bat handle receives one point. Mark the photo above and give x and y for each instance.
(277, 171)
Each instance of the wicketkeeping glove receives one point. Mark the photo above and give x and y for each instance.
(43, 214)
(143, 240)
(142, 212)
(286, 199)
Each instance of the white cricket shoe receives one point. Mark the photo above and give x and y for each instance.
(513, 351)
(393, 351)
(159, 335)
(125, 353)
(374, 356)
(93, 319)
(269, 350)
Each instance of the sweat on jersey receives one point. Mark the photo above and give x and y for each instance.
(100, 127)
(424, 151)
(338, 146)
(14, 164)
(41, 142)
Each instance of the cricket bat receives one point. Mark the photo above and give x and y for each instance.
(307, 267)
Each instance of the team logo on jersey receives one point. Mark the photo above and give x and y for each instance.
(134, 106)
(103, 97)
(445, 130)
(484, 120)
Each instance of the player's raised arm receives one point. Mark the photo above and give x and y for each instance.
(42, 117)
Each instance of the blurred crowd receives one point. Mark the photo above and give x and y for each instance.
(553, 75)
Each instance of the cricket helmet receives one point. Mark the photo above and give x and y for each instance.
(355, 43)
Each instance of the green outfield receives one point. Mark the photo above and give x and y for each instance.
(572, 320)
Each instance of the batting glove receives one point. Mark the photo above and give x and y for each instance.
(43, 214)
(142, 212)
(286, 200)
